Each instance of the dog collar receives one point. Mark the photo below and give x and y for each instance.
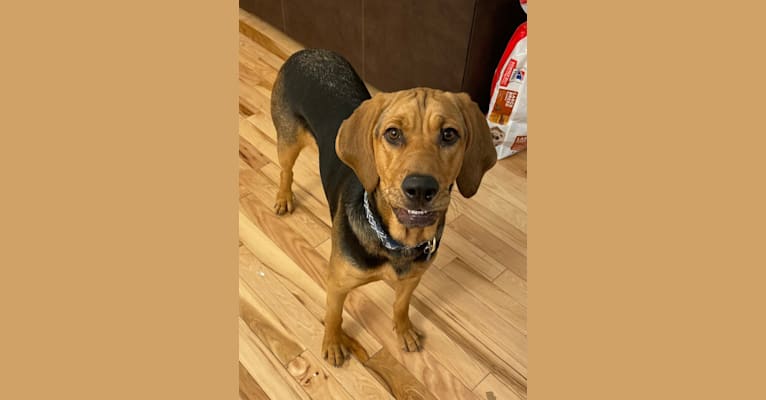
(428, 247)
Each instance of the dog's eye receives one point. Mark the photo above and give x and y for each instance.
(393, 135)
(449, 136)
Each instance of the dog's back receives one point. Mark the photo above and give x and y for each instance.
(315, 91)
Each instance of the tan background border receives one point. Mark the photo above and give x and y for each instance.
(118, 173)
(646, 265)
(119, 264)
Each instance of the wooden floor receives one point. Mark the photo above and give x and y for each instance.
(471, 305)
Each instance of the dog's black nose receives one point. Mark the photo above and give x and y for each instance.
(422, 188)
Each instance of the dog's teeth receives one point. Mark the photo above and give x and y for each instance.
(416, 212)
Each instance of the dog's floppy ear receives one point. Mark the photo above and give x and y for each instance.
(480, 154)
(355, 136)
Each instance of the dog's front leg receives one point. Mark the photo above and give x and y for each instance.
(409, 338)
(334, 346)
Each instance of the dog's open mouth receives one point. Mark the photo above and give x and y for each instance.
(416, 218)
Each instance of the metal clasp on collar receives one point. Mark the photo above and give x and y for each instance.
(430, 248)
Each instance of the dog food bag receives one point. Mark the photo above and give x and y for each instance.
(508, 106)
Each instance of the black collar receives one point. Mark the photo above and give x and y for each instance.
(427, 247)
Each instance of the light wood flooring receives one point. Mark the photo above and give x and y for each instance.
(471, 305)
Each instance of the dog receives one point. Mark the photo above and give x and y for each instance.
(387, 164)
(498, 136)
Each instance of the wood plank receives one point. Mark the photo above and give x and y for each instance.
(254, 88)
(267, 36)
(244, 111)
(261, 119)
(256, 78)
(452, 357)
(249, 389)
(447, 294)
(258, 139)
(514, 286)
(287, 240)
(250, 155)
(255, 82)
(313, 376)
(301, 221)
(422, 365)
(250, 56)
(255, 35)
(273, 257)
(496, 359)
(402, 384)
(491, 244)
(473, 255)
(501, 303)
(325, 249)
(265, 368)
(444, 256)
(266, 326)
(507, 185)
(269, 254)
(250, 97)
(493, 388)
(308, 328)
(499, 361)
(516, 164)
(487, 218)
(503, 209)
(453, 211)
(265, 56)
(244, 188)
(317, 309)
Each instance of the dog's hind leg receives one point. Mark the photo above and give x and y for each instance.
(292, 137)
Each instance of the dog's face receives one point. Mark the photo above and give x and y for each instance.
(412, 145)
(497, 136)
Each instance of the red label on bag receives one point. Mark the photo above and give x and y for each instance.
(519, 34)
(508, 72)
(520, 143)
(503, 108)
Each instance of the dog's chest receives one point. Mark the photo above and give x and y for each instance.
(402, 269)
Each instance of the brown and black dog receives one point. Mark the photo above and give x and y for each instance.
(387, 166)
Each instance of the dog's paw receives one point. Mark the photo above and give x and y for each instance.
(409, 338)
(284, 204)
(335, 349)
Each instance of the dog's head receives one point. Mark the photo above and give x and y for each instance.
(498, 136)
(412, 145)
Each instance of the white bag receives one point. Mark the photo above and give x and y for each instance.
(507, 115)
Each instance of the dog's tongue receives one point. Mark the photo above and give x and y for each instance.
(415, 217)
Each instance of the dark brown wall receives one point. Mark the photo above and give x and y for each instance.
(267, 10)
(451, 45)
(330, 24)
(416, 43)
